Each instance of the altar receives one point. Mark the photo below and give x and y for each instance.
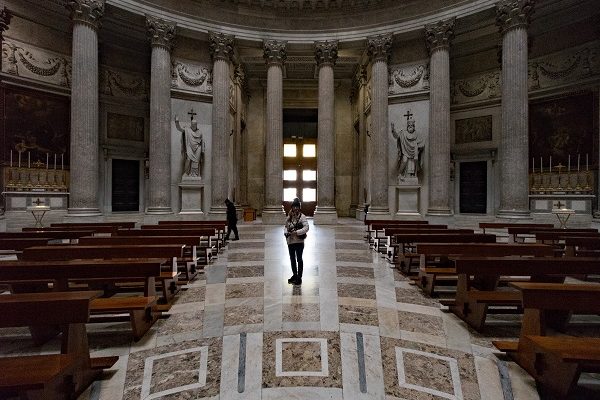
(23, 186)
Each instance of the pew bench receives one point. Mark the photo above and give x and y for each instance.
(393, 248)
(166, 230)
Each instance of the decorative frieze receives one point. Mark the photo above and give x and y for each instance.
(5, 17)
(221, 46)
(86, 12)
(326, 53)
(26, 61)
(410, 78)
(368, 97)
(160, 32)
(275, 51)
(439, 34)
(511, 14)
(123, 84)
(194, 77)
(379, 47)
(480, 87)
(232, 96)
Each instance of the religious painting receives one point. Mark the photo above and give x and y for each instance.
(37, 125)
(471, 130)
(563, 127)
(125, 127)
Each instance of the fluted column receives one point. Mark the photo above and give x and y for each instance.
(362, 144)
(275, 54)
(161, 34)
(512, 16)
(326, 55)
(379, 48)
(221, 48)
(438, 37)
(84, 162)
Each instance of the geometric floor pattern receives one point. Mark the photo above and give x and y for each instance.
(355, 329)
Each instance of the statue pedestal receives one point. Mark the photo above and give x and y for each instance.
(192, 191)
(408, 198)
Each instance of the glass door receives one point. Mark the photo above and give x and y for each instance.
(300, 173)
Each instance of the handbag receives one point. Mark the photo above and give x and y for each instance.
(303, 236)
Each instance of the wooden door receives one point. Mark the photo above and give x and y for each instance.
(300, 173)
(473, 187)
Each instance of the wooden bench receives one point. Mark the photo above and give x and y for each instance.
(50, 376)
(443, 271)
(18, 244)
(54, 235)
(393, 248)
(404, 240)
(478, 279)
(514, 233)
(582, 246)
(220, 229)
(105, 229)
(374, 227)
(504, 225)
(122, 225)
(555, 361)
(208, 233)
(384, 233)
(26, 276)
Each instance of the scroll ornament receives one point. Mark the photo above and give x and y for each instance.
(56, 66)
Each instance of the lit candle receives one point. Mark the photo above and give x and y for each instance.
(578, 162)
(47, 159)
(533, 164)
(28, 159)
(541, 164)
(62, 165)
(19, 159)
(569, 164)
(11, 158)
(54, 160)
(586, 162)
(550, 163)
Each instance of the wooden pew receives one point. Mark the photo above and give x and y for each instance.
(555, 361)
(21, 274)
(556, 238)
(405, 240)
(385, 232)
(430, 275)
(96, 229)
(18, 244)
(220, 226)
(54, 235)
(50, 376)
(478, 279)
(209, 233)
(393, 247)
(122, 225)
(220, 229)
(376, 227)
(390, 222)
(514, 232)
(582, 246)
(504, 225)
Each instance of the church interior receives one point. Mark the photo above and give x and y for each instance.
(443, 154)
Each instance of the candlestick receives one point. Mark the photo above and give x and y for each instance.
(533, 164)
(62, 165)
(542, 164)
(569, 164)
(19, 159)
(586, 162)
(47, 158)
(550, 163)
(28, 159)
(55, 161)
(11, 158)
(578, 162)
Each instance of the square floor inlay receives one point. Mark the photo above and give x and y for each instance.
(241, 290)
(358, 315)
(422, 323)
(355, 272)
(302, 312)
(244, 315)
(245, 271)
(247, 256)
(414, 296)
(356, 290)
(180, 323)
(191, 295)
(301, 357)
(355, 257)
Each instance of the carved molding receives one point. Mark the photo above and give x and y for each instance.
(5, 17)
(30, 62)
(241, 78)
(368, 97)
(326, 53)
(160, 32)
(275, 51)
(439, 34)
(86, 12)
(379, 47)
(123, 84)
(480, 87)
(232, 96)
(221, 46)
(512, 14)
(409, 78)
(196, 78)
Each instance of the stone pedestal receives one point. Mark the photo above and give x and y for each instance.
(325, 216)
(408, 199)
(192, 191)
(273, 215)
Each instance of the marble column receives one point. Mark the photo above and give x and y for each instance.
(512, 16)
(5, 17)
(221, 49)
(275, 54)
(438, 37)
(84, 162)
(379, 48)
(356, 136)
(326, 54)
(240, 155)
(362, 142)
(161, 34)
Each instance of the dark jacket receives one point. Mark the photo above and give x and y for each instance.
(231, 213)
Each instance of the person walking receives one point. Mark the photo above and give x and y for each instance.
(231, 220)
(296, 226)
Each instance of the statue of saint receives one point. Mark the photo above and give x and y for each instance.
(192, 148)
(410, 148)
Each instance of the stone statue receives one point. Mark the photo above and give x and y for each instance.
(410, 149)
(192, 148)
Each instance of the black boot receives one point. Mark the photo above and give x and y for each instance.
(293, 279)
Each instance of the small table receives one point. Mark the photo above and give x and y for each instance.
(38, 213)
(563, 215)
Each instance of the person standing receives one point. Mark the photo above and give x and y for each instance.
(231, 220)
(296, 226)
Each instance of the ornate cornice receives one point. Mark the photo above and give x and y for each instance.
(160, 32)
(221, 46)
(438, 35)
(326, 53)
(379, 47)
(86, 12)
(5, 17)
(512, 14)
(275, 51)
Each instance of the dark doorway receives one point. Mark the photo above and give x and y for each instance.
(125, 185)
(473, 187)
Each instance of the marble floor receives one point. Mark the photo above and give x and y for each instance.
(355, 329)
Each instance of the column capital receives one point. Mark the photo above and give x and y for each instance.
(275, 51)
(379, 47)
(439, 34)
(86, 12)
(160, 32)
(5, 16)
(221, 46)
(512, 14)
(326, 52)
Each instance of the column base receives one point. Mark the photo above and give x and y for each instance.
(443, 211)
(159, 210)
(514, 214)
(217, 213)
(273, 215)
(83, 212)
(325, 215)
(378, 213)
(191, 197)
